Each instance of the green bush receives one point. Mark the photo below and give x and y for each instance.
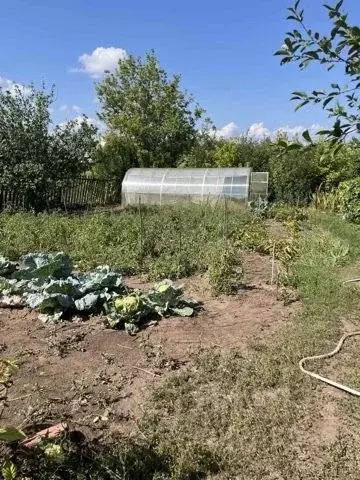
(349, 194)
(294, 176)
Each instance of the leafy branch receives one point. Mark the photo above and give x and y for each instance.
(340, 46)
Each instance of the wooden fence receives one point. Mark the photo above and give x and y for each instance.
(78, 193)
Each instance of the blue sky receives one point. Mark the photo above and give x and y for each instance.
(224, 51)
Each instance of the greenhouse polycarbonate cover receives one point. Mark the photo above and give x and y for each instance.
(152, 185)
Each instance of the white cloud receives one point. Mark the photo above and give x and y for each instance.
(91, 120)
(66, 109)
(10, 86)
(100, 60)
(6, 84)
(258, 131)
(227, 131)
(292, 132)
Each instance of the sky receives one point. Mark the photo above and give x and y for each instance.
(223, 51)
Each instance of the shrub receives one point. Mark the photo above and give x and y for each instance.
(294, 176)
(327, 201)
(349, 194)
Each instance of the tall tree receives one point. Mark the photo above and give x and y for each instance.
(201, 154)
(33, 156)
(340, 48)
(149, 111)
(113, 156)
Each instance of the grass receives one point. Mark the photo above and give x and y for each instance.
(253, 416)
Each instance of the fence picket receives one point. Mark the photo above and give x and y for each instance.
(78, 192)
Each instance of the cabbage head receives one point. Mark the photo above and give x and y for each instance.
(129, 305)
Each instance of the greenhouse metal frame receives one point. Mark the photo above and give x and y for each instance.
(161, 186)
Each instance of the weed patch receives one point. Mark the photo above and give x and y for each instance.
(164, 242)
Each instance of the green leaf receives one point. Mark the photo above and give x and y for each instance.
(281, 52)
(131, 328)
(11, 434)
(338, 148)
(286, 60)
(100, 278)
(339, 4)
(301, 105)
(7, 267)
(306, 136)
(282, 143)
(288, 43)
(294, 146)
(300, 94)
(44, 265)
(183, 311)
(87, 302)
(296, 4)
(9, 471)
(50, 303)
(327, 101)
(337, 132)
(313, 54)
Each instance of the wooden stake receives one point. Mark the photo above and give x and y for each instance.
(273, 265)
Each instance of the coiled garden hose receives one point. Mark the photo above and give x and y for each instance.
(328, 355)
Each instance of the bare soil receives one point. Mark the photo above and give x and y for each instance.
(97, 378)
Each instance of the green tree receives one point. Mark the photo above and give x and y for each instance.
(335, 169)
(201, 154)
(244, 151)
(339, 47)
(149, 111)
(227, 153)
(33, 157)
(113, 156)
(295, 175)
(254, 153)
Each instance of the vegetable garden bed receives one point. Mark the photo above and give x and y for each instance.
(97, 377)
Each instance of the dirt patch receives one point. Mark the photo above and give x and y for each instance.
(257, 270)
(227, 322)
(276, 230)
(97, 378)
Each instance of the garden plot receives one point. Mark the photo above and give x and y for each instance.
(98, 378)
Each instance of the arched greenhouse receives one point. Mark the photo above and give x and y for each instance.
(171, 185)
